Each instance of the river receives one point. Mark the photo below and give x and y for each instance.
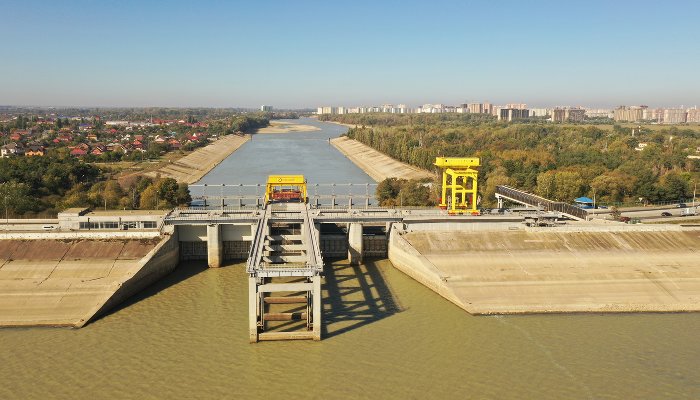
(385, 335)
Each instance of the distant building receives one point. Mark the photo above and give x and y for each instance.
(693, 115)
(653, 114)
(629, 114)
(675, 116)
(599, 113)
(35, 151)
(11, 149)
(539, 112)
(266, 108)
(517, 106)
(476, 108)
(512, 114)
(327, 110)
(568, 114)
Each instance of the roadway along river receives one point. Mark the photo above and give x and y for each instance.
(386, 335)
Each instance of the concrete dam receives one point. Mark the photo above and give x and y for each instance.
(483, 264)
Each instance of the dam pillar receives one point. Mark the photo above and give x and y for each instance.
(215, 246)
(355, 243)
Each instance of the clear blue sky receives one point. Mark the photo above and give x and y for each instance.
(311, 53)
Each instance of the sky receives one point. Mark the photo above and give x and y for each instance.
(298, 54)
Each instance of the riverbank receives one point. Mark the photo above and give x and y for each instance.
(194, 166)
(286, 127)
(556, 270)
(377, 165)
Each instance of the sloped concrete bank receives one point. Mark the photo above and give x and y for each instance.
(551, 270)
(70, 282)
(194, 166)
(376, 164)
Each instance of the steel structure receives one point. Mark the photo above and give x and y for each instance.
(285, 259)
(541, 203)
(285, 188)
(459, 179)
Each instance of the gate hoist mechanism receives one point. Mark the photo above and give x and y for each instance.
(459, 181)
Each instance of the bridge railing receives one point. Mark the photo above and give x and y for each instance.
(252, 195)
(539, 201)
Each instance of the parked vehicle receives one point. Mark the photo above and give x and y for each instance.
(625, 219)
(688, 212)
(681, 205)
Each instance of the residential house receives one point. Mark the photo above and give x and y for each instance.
(35, 151)
(78, 152)
(98, 149)
(174, 144)
(11, 149)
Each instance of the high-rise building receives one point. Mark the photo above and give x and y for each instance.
(675, 116)
(653, 114)
(539, 112)
(693, 115)
(599, 113)
(630, 114)
(568, 114)
(265, 108)
(517, 106)
(511, 114)
(475, 108)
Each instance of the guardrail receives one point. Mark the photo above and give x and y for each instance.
(539, 201)
(252, 195)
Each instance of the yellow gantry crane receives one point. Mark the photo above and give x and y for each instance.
(460, 180)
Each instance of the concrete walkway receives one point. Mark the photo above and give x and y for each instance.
(550, 270)
(376, 164)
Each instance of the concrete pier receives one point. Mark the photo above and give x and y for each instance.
(215, 246)
(355, 243)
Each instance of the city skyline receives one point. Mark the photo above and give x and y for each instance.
(301, 55)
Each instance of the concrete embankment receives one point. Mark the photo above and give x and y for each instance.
(376, 164)
(70, 282)
(545, 270)
(194, 166)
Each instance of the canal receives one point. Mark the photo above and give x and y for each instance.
(385, 335)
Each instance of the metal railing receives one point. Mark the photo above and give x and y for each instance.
(522, 197)
(208, 196)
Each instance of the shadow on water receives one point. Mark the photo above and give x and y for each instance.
(355, 295)
(183, 271)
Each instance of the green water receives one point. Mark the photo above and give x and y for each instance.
(385, 336)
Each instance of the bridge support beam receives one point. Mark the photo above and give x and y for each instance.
(215, 246)
(355, 243)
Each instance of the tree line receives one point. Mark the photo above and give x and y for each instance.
(560, 162)
(42, 186)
